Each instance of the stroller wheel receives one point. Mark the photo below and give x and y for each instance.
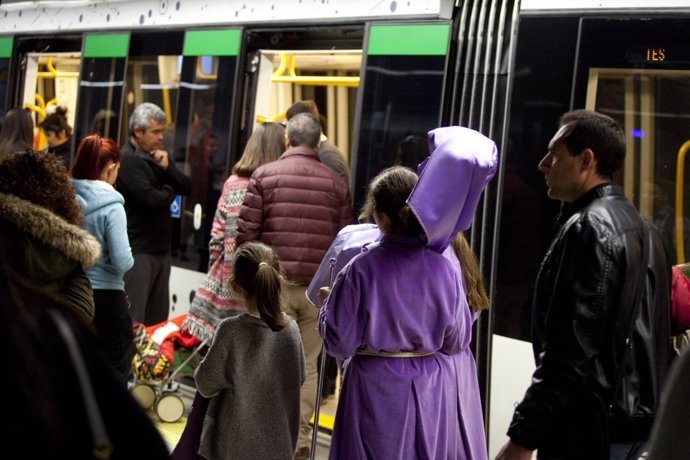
(170, 407)
(144, 394)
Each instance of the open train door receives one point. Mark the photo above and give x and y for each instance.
(41, 74)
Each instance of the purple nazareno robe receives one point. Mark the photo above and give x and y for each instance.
(401, 295)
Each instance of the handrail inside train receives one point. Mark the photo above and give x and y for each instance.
(54, 73)
(680, 173)
(262, 119)
(285, 73)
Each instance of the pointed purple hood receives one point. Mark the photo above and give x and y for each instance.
(451, 180)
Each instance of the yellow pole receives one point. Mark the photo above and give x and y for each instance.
(680, 173)
(166, 104)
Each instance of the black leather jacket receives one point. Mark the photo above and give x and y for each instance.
(582, 311)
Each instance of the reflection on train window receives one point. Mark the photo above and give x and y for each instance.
(402, 102)
(153, 79)
(100, 98)
(202, 123)
(4, 77)
(647, 103)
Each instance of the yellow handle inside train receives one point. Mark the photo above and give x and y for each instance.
(680, 173)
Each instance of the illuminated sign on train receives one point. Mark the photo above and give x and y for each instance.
(656, 54)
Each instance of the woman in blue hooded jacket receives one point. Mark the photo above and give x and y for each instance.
(94, 172)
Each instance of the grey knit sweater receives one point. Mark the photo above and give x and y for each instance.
(253, 376)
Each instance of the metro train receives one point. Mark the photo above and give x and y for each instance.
(383, 74)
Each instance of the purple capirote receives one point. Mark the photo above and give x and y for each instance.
(397, 294)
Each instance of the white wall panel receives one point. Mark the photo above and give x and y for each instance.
(527, 5)
(51, 15)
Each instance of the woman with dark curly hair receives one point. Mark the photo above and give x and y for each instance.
(58, 134)
(40, 227)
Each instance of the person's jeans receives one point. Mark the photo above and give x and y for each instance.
(296, 305)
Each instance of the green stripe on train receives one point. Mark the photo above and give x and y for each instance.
(5, 47)
(409, 39)
(106, 45)
(221, 42)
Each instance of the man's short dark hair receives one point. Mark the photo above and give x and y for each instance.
(307, 106)
(598, 132)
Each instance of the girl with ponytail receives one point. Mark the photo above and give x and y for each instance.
(254, 368)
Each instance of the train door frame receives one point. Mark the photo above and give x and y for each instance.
(278, 86)
(6, 46)
(26, 52)
(320, 40)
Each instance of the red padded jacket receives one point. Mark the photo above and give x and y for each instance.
(296, 205)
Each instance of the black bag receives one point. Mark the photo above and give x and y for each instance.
(582, 432)
(187, 447)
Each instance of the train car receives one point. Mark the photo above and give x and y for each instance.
(383, 74)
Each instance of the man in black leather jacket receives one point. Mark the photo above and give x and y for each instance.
(589, 398)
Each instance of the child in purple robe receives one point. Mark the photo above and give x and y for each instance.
(399, 312)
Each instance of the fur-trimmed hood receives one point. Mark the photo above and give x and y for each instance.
(52, 230)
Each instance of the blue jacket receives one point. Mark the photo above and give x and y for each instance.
(105, 218)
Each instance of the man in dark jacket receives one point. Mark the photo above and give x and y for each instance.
(149, 182)
(602, 347)
(297, 205)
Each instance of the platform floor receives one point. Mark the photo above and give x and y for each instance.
(171, 432)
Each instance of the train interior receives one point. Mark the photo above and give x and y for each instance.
(215, 84)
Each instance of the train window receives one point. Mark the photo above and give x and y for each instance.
(5, 55)
(101, 84)
(642, 79)
(205, 76)
(202, 140)
(646, 104)
(545, 56)
(401, 98)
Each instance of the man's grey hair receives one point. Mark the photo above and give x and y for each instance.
(303, 129)
(143, 114)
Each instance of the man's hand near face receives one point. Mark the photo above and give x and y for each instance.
(160, 157)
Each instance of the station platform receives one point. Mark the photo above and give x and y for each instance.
(171, 432)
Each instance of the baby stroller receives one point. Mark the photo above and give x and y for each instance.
(154, 370)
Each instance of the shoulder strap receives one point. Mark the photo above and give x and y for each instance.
(636, 308)
(102, 448)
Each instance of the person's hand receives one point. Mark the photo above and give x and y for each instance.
(160, 157)
(512, 451)
(323, 294)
